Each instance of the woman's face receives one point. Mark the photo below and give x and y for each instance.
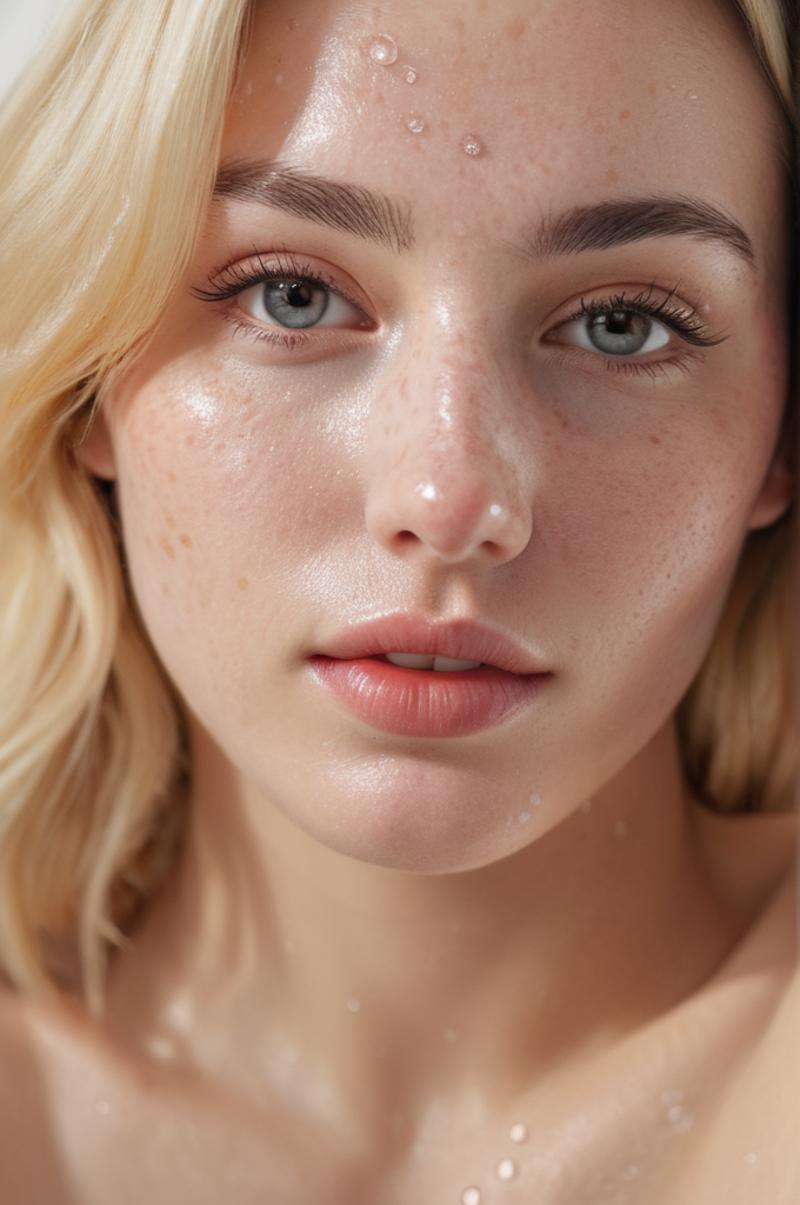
(441, 426)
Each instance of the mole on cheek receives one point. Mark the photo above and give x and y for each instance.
(165, 544)
(185, 540)
(243, 583)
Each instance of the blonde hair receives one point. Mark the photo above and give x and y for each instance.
(110, 143)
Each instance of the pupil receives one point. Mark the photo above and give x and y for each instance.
(617, 321)
(298, 294)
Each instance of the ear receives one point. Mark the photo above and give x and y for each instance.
(776, 494)
(94, 449)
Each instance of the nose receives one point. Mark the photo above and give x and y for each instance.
(449, 480)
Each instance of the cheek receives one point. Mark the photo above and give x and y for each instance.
(218, 505)
(638, 552)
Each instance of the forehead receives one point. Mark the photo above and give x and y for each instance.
(569, 101)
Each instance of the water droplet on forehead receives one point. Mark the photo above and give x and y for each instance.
(383, 50)
(518, 1132)
(416, 125)
(536, 800)
(506, 1169)
(471, 1196)
(471, 145)
(631, 1172)
(410, 75)
(353, 1005)
(620, 828)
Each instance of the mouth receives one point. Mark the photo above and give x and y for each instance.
(425, 700)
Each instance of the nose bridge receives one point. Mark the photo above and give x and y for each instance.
(448, 474)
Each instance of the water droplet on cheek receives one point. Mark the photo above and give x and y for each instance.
(383, 50)
(409, 75)
(416, 125)
(471, 145)
(471, 1196)
(518, 1132)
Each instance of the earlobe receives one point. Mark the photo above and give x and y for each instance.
(776, 496)
(93, 447)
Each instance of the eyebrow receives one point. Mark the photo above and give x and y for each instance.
(348, 207)
(388, 222)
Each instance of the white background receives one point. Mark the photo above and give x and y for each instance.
(23, 24)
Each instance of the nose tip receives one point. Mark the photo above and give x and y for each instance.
(454, 522)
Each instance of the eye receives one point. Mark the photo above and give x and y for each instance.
(297, 302)
(619, 326)
(619, 332)
(283, 295)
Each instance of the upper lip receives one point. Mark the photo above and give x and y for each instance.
(405, 632)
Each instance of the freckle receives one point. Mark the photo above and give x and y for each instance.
(516, 29)
(625, 114)
(243, 583)
(654, 439)
(165, 544)
(189, 439)
(170, 520)
(651, 88)
(171, 475)
(612, 176)
(185, 540)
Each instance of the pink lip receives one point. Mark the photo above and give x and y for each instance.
(406, 632)
(428, 703)
(418, 702)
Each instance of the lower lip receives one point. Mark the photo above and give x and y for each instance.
(418, 702)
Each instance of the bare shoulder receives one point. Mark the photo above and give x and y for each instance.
(52, 1078)
(749, 1152)
(29, 1169)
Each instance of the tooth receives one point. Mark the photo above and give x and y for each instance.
(421, 661)
(452, 663)
(410, 660)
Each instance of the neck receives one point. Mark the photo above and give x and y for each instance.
(362, 994)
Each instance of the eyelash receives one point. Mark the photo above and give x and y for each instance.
(685, 322)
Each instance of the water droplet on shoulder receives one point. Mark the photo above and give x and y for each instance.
(383, 50)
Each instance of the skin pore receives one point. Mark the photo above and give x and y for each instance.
(411, 943)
